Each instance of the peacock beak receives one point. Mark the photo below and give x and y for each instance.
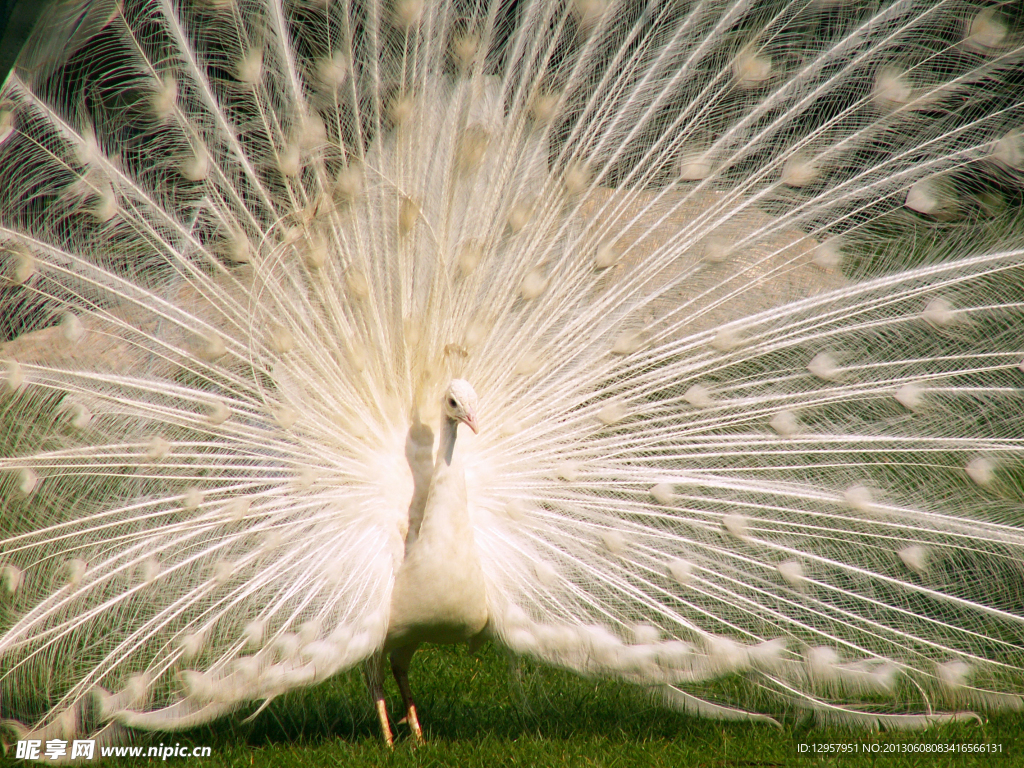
(470, 421)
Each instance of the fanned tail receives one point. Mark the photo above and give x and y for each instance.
(738, 284)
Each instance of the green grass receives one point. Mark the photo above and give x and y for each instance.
(488, 711)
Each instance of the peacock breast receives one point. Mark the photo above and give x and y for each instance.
(439, 594)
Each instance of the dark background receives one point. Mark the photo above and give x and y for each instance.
(16, 20)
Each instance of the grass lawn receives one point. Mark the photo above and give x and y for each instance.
(486, 711)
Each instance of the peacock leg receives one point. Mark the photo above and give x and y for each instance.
(374, 671)
(401, 658)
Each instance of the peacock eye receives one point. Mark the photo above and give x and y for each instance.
(452, 403)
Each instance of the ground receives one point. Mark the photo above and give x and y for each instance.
(489, 711)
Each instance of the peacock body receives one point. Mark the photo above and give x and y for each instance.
(738, 286)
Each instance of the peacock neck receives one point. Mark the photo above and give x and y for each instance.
(446, 444)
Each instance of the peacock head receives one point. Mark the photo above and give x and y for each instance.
(460, 403)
